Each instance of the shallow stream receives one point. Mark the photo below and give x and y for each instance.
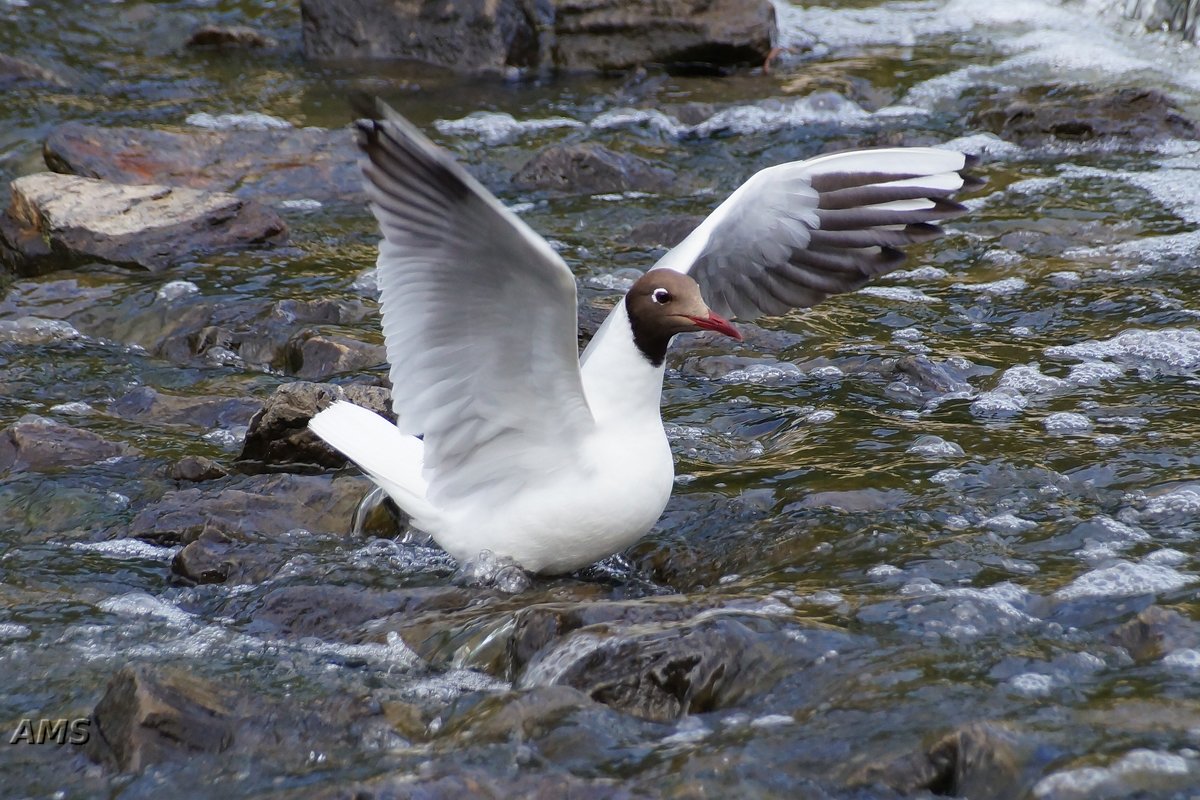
(946, 494)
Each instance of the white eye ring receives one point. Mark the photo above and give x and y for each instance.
(660, 296)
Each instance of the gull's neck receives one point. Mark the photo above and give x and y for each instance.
(619, 382)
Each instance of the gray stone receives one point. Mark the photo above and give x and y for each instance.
(57, 221)
(590, 168)
(146, 404)
(196, 469)
(279, 433)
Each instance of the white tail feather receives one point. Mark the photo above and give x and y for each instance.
(392, 459)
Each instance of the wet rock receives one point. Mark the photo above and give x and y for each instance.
(55, 221)
(590, 168)
(217, 557)
(15, 71)
(229, 36)
(1154, 632)
(145, 718)
(279, 433)
(662, 674)
(1181, 16)
(454, 782)
(602, 34)
(37, 444)
(196, 469)
(984, 760)
(666, 231)
(524, 715)
(316, 357)
(1031, 116)
(149, 716)
(146, 404)
(268, 505)
(267, 165)
(513, 34)
(341, 613)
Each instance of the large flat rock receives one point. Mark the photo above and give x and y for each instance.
(572, 35)
(270, 166)
(56, 221)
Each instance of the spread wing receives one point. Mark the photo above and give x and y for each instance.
(479, 318)
(796, 233)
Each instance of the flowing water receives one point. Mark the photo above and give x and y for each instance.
(948, 489)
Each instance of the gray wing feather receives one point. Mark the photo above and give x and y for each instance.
(479, 319)
(794, 234)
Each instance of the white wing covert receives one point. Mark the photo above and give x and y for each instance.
(479, 319)
(796, 233)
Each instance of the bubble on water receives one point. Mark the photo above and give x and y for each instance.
(884, 571)
(1168, 351)
(76, 408)
(920, 274)
(173, 290)
(36, 330)
(999, 403)
(127, 548)
(1184, 659)
(774, 115)
(140, 604)
(1168, 556)
(650, 119)
(1125, 579)
(772, 721)
(496, 128)
(930, 446)
(1182, 501)
(777, 372)
(827, 373)
(1134, 773)
(1029, 379)
(900, 294)
(244, 121)
(1032, 684)
(11, 631)
(1005, 286)
(1067, 422)
(1008, 523)
(301, 204)
(447, 686)
(984, 144)
(820, 416)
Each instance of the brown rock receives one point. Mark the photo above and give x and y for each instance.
(317, 357)
(55, 221)
(15, 70)
(146, 404)
(591, 168)
(217, 557)
(196, 469)
(1031, 116)
(224, 36)
(145, 718)
(270, 165)
(1154, 632)
(266, 505)
(486, 35)
(38, 444)
(279, 433)
(983, 760)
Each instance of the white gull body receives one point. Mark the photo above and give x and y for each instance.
(530, 451)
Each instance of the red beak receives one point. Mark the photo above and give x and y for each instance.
(716, 323)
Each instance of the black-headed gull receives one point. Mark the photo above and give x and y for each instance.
(529, 450)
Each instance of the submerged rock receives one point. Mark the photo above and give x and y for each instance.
(1031, 116)
(229, 36)
(665, 231)
(268, 165)
(590, 168)
(217, 557)
(38, 444)
(983, 761)
(581, 35)
(267, 505)
(145, 718)
(279, 433)
(662, 672)
(146, 404)
(15, 71)
(56, 221)
(1155, 632)
(149, 716)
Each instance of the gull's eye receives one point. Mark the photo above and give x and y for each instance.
(660, 296)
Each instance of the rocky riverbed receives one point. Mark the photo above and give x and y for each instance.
(936, 537)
